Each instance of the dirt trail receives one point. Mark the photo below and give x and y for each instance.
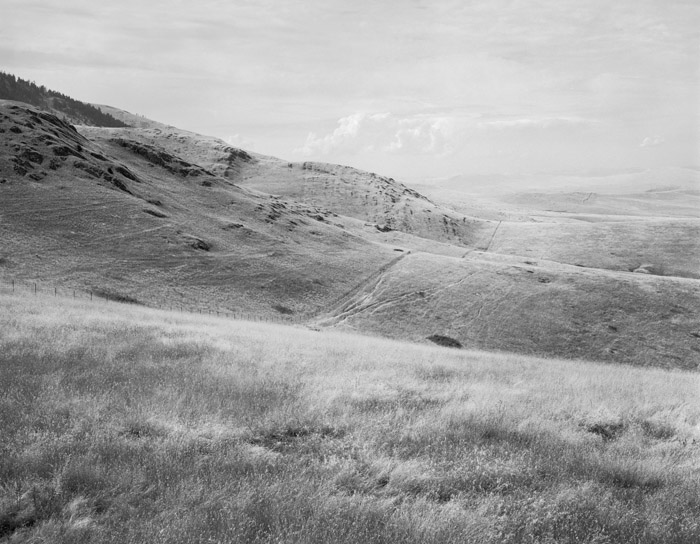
(493, 236)
(336, 308)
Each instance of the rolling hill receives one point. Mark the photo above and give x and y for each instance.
(134, 220)
(496, 302)
(646, 221)
(166, 216)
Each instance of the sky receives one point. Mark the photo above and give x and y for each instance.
(410, 89)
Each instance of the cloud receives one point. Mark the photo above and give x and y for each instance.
(652, 141)
(429, 134)
(344, 136)
(465, 80)
(236, 140)
(384, 133)
(535, 122)
(423, 135)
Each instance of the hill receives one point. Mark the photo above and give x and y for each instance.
(168, 217)
(497, 302)
(138, 425)
(65, 107)
(646, 221)
(135, 220)
(345, 191)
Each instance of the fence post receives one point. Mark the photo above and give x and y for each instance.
(13, 286)
(35, 289)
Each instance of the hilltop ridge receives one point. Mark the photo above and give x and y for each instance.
(61, 105)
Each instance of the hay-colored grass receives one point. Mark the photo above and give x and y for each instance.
(124, 424)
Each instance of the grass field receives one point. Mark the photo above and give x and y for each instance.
(124, 424)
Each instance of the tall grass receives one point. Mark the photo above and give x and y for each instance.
(145, 426)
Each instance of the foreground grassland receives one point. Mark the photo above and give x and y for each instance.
(122, 424)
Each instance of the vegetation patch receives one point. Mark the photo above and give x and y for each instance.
(200, 244)
(124, 171)
(14, 517)
(403, 400)
(115, 297)
(436, 373)
(65, 151)
(155, 213)
(606, 430)
(444, 341)
(159, 157)
(658, 430)
(292, 436)
(138, 428)
(283, 309)
(15, 88)
(91, 169)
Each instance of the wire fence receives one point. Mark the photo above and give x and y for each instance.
(39, 289)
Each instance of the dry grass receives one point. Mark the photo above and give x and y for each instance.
(671, 246)
(159, 235)
(516, 305)
(146, 426)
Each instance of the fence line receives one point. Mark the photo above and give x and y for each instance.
(38, 289)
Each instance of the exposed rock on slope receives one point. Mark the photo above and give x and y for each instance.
(363, 195)
(210, 153)
(342, 190)
(36, 143)
(157, 156)
(172, 231)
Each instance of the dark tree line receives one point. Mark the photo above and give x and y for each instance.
(15, 88)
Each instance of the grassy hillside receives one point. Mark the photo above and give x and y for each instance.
(659, 246)
(515, 304)
(385, 203)
(145, 426)
(378, 199)
(131, 218)
(172, 218)
(648, 220)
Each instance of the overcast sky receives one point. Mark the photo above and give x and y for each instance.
(406, 88)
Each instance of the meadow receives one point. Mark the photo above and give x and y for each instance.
(125, 424)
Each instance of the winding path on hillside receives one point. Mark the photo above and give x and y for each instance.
(488, 246)
(336, 307)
